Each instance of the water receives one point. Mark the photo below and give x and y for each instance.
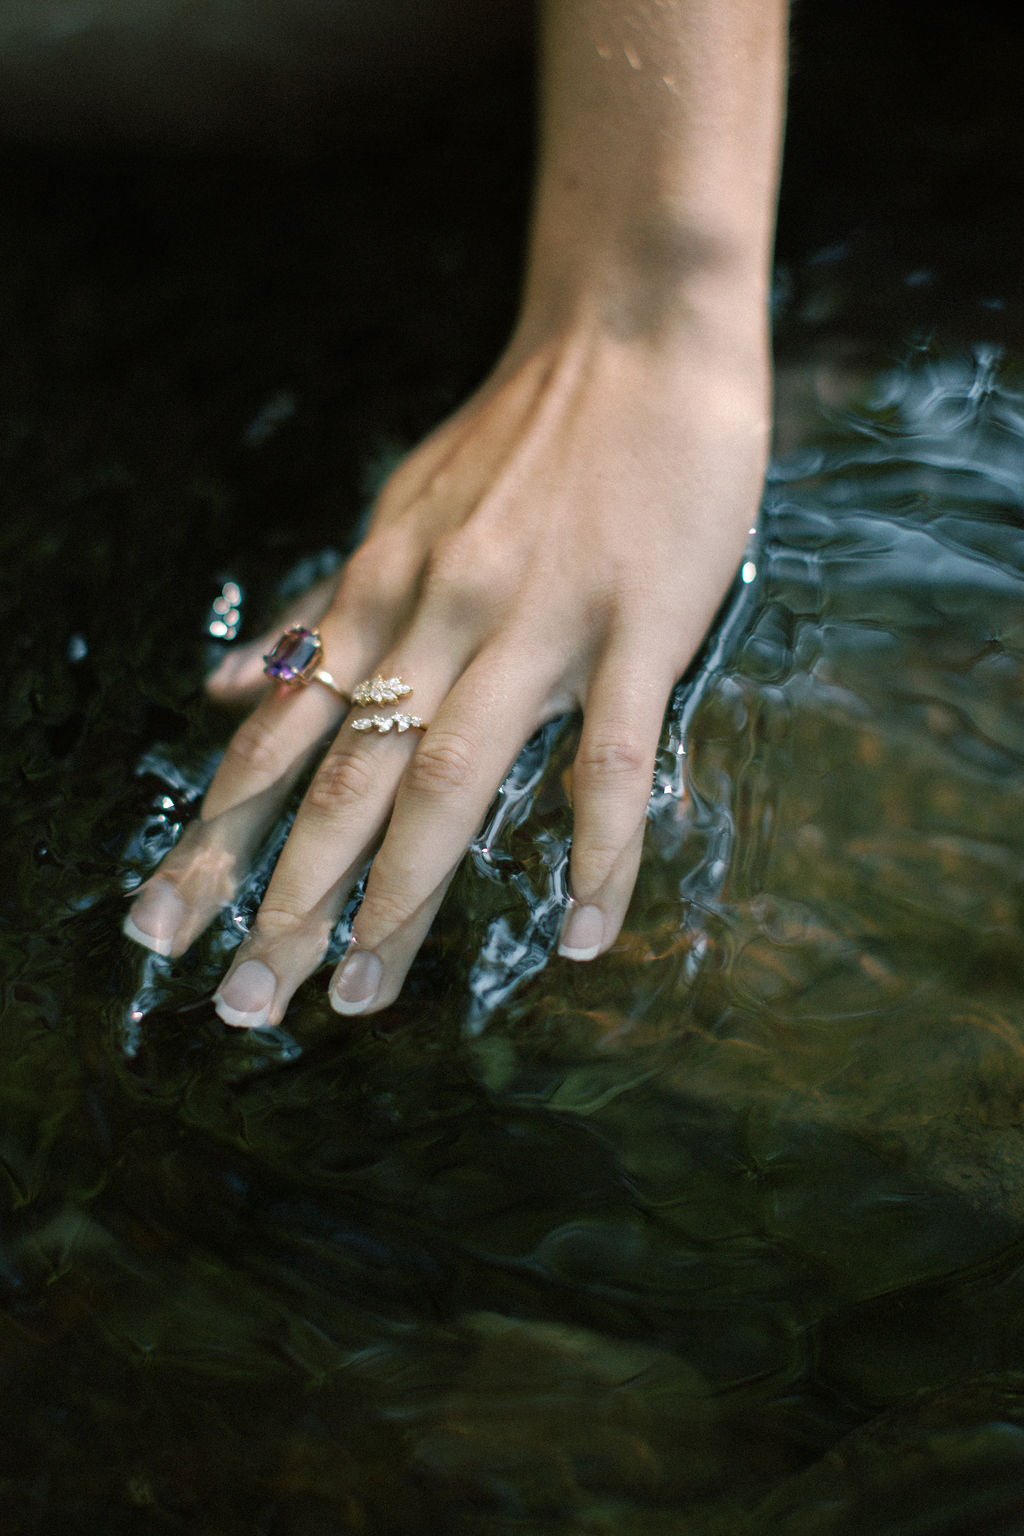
(720, 1235)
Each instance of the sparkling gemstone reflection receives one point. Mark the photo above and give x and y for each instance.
(295, 656)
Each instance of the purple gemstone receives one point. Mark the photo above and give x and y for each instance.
(294, 657)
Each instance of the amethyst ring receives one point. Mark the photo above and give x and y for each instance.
(295, 661)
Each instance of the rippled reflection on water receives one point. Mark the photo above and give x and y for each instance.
(721, 1233)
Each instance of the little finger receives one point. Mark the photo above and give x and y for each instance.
(611, 787)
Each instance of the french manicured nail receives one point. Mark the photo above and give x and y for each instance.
(246, 997)
(156, 917)
(582, 933)
(357, 983)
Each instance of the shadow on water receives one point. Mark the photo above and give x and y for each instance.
(721, 1235)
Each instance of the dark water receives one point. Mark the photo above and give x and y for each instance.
(721, 1234)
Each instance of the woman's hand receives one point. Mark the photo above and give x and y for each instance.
(562, 543)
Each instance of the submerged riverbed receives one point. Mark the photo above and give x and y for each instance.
(718, 1236)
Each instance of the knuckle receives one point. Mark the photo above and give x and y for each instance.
(359, 584)
(443, 765)
(383, 912)
(373, 574)
(611, 757)
(450, 559)
(464, 573)
(276, 920)
(280, 921)
(255, 748)
(343, 776)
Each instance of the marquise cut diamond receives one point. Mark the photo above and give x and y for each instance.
(385, 723)
(381, 690)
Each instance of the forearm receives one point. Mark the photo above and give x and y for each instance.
(660, 137)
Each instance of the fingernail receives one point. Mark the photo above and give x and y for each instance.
(246, 997)
(156, 917)
(357, 983)
(582, 933)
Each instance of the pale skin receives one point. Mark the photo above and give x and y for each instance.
(562, 543)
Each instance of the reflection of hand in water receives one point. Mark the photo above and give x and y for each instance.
(561, 543)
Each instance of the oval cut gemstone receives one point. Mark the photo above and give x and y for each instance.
(295, 657)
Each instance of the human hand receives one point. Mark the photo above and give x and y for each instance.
(561, 543)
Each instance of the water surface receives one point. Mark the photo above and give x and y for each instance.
(721, 1234)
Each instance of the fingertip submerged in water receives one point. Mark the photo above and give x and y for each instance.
(156, 916)
(250, 995)
(582, 933)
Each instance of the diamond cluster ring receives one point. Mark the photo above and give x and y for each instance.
(385, 690)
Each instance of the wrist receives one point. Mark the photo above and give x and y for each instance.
(664, 287)
(658, 154)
